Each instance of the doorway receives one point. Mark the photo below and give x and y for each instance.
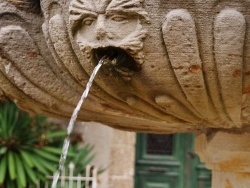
(169, 161)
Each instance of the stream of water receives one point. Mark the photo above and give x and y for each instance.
(72, 122)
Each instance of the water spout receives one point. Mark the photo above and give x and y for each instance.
(72, 122)
(117, 57)
(119, 61)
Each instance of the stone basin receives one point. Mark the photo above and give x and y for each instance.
(173, 66)
(170, 66)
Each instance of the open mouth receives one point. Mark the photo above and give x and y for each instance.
(117, 59)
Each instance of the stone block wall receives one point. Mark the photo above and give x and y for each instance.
(121, 173)
(115, 151)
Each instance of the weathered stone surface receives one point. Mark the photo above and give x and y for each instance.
(173, 66)
(227, 154)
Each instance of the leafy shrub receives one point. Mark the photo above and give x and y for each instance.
(30, 148)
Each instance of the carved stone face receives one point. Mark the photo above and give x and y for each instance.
(99, 24)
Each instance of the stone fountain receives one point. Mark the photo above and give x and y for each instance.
(173, 66)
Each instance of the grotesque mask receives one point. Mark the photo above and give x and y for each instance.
(113, 28)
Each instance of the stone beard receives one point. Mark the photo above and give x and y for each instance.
(104, 23)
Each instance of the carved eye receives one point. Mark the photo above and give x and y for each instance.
(88, 21)
(119, 18)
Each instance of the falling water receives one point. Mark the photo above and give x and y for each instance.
(72, 122)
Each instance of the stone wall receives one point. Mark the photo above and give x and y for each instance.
(115, 151)
(122, 158)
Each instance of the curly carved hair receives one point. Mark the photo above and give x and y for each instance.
(32, 6)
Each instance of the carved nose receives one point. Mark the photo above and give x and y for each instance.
(101, 32)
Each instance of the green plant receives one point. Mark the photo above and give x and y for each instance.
(80, 158)
(30, 148)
